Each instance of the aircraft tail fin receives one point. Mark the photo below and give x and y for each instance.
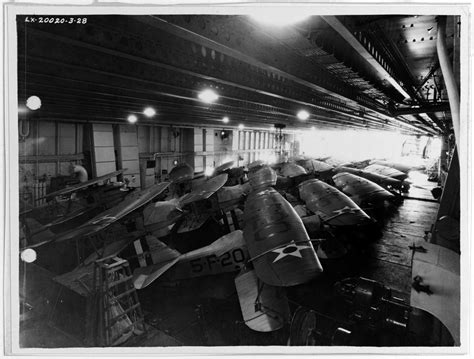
(161, 256)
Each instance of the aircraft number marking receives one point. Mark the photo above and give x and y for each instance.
(212, 262)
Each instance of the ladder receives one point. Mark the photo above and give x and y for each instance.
(118, 311)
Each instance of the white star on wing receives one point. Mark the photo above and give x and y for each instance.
(346, 209)
(289, 250)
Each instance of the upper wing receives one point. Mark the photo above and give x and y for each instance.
(278, 243)
(223, 167)
(333, 206)
(103, 220)
(204, 190)
(82, 185)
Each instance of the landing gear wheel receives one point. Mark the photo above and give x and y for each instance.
(303, 328)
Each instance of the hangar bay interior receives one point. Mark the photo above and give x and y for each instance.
(228, 180)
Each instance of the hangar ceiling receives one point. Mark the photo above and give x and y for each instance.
(375, 72)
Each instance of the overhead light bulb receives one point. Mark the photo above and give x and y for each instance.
(303, 115)
(149, 112)
(28, 255)
(279, 17)
(225, 119)
(208, 96)
(241, 126)
(33, 103)
(132, 118)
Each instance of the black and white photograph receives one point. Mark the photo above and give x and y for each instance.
(265, 178)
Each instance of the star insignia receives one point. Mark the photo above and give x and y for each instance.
(289, 250)
(346, 209)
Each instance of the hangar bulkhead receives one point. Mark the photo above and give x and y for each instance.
(212, 180)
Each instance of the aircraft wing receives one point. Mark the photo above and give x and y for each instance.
(223, 167)
(160, 215)
(333, 206)
(82, 185)
(264, 307)
(181, 173)
(230, 197)
(439, 268)
(204, 190)
(278, 243)
(359, 187)
(103, 220)
(81, 278)
(386, 171)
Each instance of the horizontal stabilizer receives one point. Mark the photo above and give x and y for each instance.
(223, 244)
(142, 277)
(162, 257)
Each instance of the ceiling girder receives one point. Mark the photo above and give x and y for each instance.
(177, 60)
(425, 108)
(100, 61)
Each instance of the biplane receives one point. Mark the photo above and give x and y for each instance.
(273, 251)
(321, 169)
(360, 189)
(189, 211)
(330, 204)
(133, 202)
(389, 183)
(291, 170)
(396, 165)
(71, 206)
(386, 171)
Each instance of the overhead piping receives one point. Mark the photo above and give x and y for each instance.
(447, 70)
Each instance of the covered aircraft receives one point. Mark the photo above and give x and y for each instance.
(291, 170)
(361, 190)
(70, 206)
(134, 201)
(160, 216)
(281, 251)
(389, 183)
(386, 171)
(396, 165)
(330, 204)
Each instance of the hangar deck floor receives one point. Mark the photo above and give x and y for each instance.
(206, 312)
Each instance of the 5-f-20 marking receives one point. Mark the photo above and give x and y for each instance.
(228, 262)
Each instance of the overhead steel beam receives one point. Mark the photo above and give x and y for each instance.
(425, 108)
(427, 77)
(277, 90)
(268, 55)
(354, 42)
(190, 73)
